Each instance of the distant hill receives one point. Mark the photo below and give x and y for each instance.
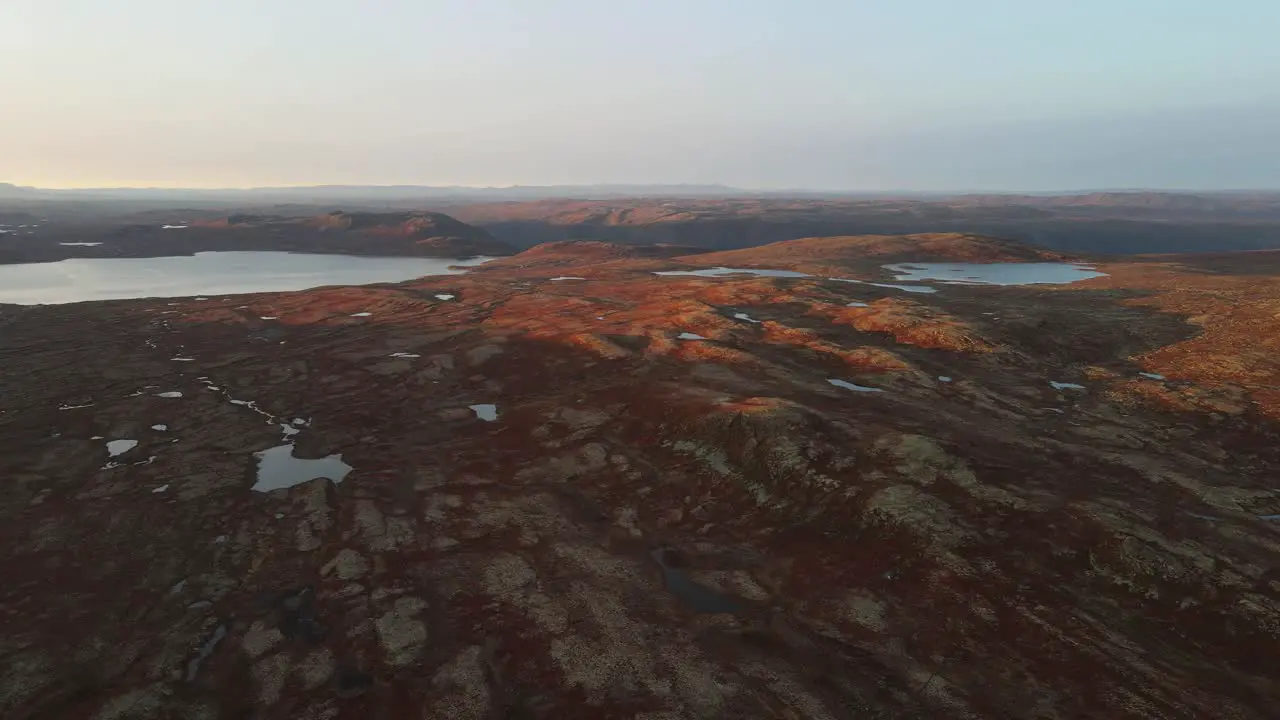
(818, 256)
(714, 217)
(9, 190)
(1107, 223)
(415, 234)
(407, 233)
(808, 254)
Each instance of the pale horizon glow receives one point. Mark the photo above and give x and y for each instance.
(929, 95)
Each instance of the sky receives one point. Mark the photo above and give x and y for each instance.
(771, 94)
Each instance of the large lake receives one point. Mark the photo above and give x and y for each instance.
(206, 273)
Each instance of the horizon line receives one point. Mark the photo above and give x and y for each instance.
(655, 185)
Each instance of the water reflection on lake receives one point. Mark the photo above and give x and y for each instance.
(1028, 273)
(206, 273)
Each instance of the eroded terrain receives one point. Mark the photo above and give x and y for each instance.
(579, 489)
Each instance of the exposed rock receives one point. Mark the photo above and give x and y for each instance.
(315, 669)
(401, 634)
(270, 675)
(507, 573)
(483, 354)
(260, 639)
(347, 565)
(461, 690)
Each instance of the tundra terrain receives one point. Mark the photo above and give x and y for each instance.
(564, 486)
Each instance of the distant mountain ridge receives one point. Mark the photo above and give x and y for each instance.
(713, 217)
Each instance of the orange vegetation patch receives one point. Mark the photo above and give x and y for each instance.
(873, 358)
(860, 357)
(1140, 392)
(1239, 342)
(755, 405)
(1268, 401)
(697, 351)
(909, 323)
(597, 346)
(756, 291)
(577, 252)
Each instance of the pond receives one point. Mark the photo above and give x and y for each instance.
(725, 271)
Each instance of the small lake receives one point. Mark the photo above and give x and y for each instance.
(724, 271)
(1030, 273)
(206, 273)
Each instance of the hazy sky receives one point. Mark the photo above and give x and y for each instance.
(851, 94)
